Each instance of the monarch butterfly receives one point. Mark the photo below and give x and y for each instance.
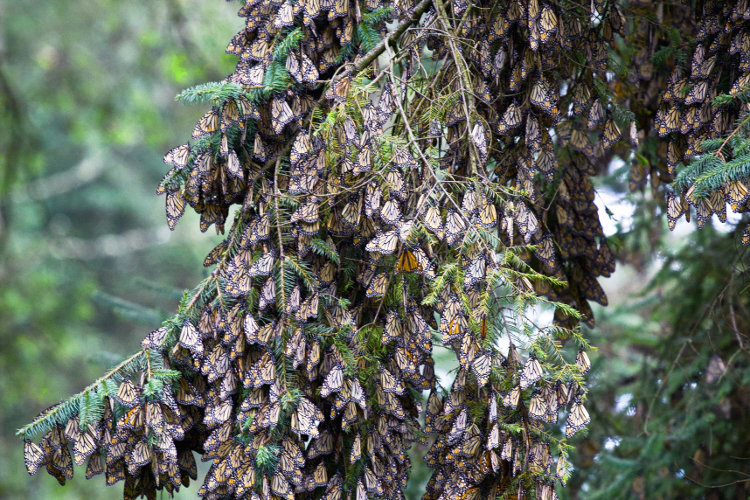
(128, 394)
(492, 409)
(340, 8)
(580, 99)
(351, 136)
(280, 487)
(610, 135)
(364, 160)
(190, 339)
(307, 212)
(333, 490)
(407, 262)
(237, 43)
(216, 364)
(395, 182)
(668, 120)
(736, 194)
(215, 254)
(407, 361)
(475, 272)
(208, 124)
(289, 468)
(338, 88)
(350, 215)
(419, 328)
(306, 418)
(393, 329)
(455, 227)
(259, 50)
(547, 24)
(432, 220)
(373, 194)
(301, 149)
(281, 114)
(676, 207)
(155, 339)
(115, 472)
(483, 91)
(356, 452)
(284, 16)
(333, 382)
(582, 360)
(267, 294)
(545, 252)
(532, 371)
(390, 213)
(217, 412)
(544, 97)
(309, 73)
(697, 93)
(259, 149)
(537, 406)
(689, 121)
(389, 383)
(218, 437)
(470, 445)
(385, 104)
(293, 67)
(175, 207)
(577, 419)
(84, 446)
(383, 243)
(309, 308)
(512, 397)
(33, 456)
(482, 366)
(178, 157)
(458, 428)
(528, 225)
(479, 139)
(264, 371)
(265, 335)
(372, 483)
(425, 266)
(251, 76)
(95, 465)
(357, 394)
(596, 115)
(230, 115)
(533, 137)
(262, 266)
(511, 119)
(373, 119)
(580, 142)
(318, 478)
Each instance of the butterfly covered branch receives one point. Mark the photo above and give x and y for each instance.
(406, 177)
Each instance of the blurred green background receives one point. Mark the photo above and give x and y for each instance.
(88, 265)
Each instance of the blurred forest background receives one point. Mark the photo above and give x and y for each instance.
(88, 265)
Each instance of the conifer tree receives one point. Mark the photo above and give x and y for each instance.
(405, 176)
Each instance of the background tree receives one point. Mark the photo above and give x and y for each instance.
(449, 180)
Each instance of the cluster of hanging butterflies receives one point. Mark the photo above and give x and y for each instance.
(688, 115)
(147, 444)
(518, 70)
(304, 363)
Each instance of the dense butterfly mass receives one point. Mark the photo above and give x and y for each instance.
(385, 208)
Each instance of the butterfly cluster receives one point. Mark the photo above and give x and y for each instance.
(364, 237)
(145, 443)
(691, 119)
